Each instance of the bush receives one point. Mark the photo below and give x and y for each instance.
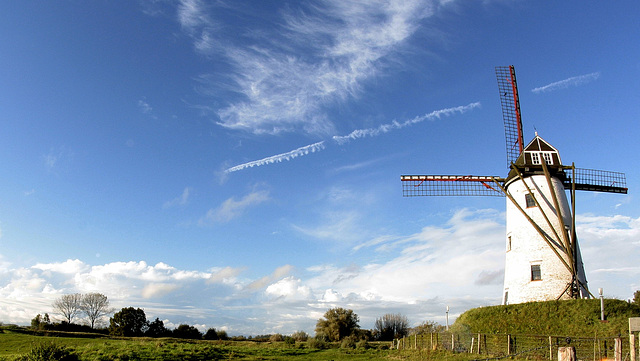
(348, 342)
(362, 345)
(300, 336)
(318, 343)
(289, 341)
(276, 337)
(48, 352)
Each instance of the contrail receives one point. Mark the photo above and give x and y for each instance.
(573, 81)
(311, 148)
(359, 133)
(385, 128)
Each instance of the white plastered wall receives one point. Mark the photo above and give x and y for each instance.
(525, 246)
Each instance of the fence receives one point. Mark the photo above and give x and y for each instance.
(495, 346)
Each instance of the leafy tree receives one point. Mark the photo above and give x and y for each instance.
(187, 332)
(95, 305)
(68, 305)
(41, 323)
(130, 322)
(391, 326)
(157, 329)
(211, 334)
(636, 297)
(337, 324)
(300, 336)
(222, 335)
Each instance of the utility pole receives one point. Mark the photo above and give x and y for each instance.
(601, 304)
(447, 318)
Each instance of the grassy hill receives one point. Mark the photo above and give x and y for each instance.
(578, 318)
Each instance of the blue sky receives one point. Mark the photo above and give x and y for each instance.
(237, 164)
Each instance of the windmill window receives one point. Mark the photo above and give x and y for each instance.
(547, 158)
(536, 274)
(529, 200)
(535, 158)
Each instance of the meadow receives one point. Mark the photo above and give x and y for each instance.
(18, 344)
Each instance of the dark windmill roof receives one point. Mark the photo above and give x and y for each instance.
(539, 144)
(530, 160)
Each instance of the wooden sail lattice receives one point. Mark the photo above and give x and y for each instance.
(597, 180)
(450, 185)
(510, 102)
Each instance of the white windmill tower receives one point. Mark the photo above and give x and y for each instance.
(543, 260)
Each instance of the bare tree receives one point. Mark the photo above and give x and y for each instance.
(95, 305)
(68, 306)
(391, 326)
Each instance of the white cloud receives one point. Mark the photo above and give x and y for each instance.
(278, 90)
(266, 280)
(144, 106)
(69, 266)
(457, 264)
(289, 288)
(335, 225)
(180, 200)
(563, 84)
(225, 275)
(232, 208)
(154, 290)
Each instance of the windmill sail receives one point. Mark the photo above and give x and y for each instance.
(510, 103)
(597, 180)
(450, 185)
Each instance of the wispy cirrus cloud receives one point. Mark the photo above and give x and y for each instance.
(320, 53)
(232, 208)
(181, 200)
(566, 83)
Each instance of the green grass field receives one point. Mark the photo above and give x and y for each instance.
(16, 343)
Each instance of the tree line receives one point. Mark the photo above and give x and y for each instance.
(337, 324)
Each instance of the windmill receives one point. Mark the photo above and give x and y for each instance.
(543, 260)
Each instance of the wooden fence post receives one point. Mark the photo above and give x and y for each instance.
(453, 342)
(618, 349)
(567, 353)
(632, 346)
(550, 349)
(508, 344)
(479, 338)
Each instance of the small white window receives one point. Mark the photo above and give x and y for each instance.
(535, 158)
(547, 158)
